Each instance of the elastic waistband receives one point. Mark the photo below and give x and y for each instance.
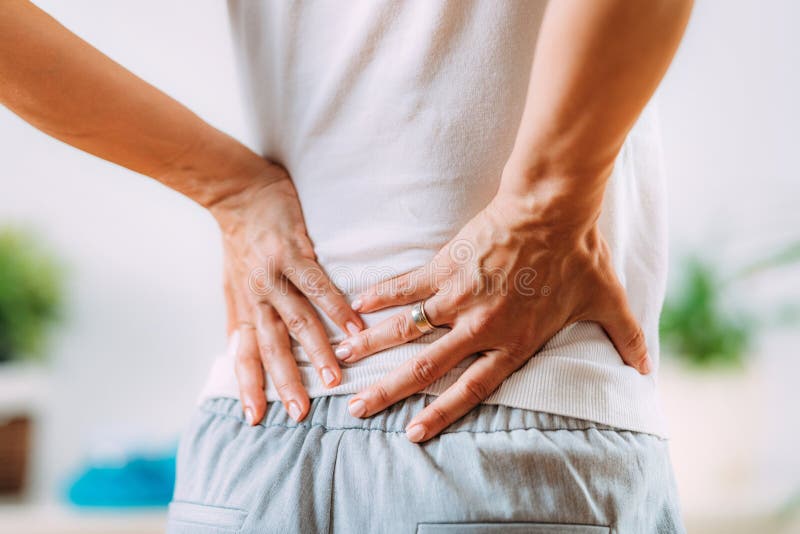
(578, 374)
(331, 413)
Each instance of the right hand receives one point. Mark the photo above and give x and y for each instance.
(271, 274)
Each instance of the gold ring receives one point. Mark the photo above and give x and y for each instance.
(420, 319)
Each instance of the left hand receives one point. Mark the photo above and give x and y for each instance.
(512, 278)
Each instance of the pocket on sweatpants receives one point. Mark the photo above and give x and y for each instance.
(509, 528)
(195, 518)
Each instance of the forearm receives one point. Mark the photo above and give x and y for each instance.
(63, 86)
(596, 66)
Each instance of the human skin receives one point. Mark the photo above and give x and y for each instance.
(69, 90)
(596, 65)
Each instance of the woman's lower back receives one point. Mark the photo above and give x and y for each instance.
(395, 121)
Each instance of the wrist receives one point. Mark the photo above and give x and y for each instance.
(543, 198)
(237, 206)
(216, 167)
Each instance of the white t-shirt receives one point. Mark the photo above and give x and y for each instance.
(394, 120)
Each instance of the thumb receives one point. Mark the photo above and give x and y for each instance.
(628, 337)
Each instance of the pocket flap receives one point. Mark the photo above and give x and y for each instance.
(509, 528)
(219, 517)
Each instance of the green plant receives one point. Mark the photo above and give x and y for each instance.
(30, 295)
(702, 328)
(696, 325)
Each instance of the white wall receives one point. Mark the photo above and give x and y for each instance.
(147, 312)
(730, 123)
(146, 308)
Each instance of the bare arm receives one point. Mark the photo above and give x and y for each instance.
(63, 86)
(596, 65)
(66, 88)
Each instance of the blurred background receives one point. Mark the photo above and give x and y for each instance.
(111, 308)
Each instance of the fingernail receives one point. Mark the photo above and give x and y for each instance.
(358, 408)
(233, 344)
(249, 416)
(356, 304)
(352, 328)
(415, 432)
(644, 368)
(327, 376)
(294, 410)
(343, 351)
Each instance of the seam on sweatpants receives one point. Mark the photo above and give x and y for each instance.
(326, 428)
(333, 480)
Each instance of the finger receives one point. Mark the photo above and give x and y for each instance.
(308, 276)
(304, 325)
(243, 348)
(627, 336)
(276, 355)
(413, 375)
(249, 373)
(391, 332)
(474, 386)
(403, 289)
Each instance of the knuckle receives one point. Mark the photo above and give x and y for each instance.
(298, 243)
(478, 323)
(403, 287)
(366, 341)
(308, 278)
(635, 343)
(297, 323)
(507, 361)
(459, 299)
(339, 310)
(513, 349)
(399, 327)
(312, 285)
(267, 350)
(439, 416)
(245, 356)
(285, 389)
(316, 352)
(380, 394)
(265, 312)
(474, 391)
(639, 359)
(639, 363)
(423, 369)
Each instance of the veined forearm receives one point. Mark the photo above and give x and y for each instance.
(596, 65)
(63, 86)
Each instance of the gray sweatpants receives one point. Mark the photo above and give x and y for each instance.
(497, 470)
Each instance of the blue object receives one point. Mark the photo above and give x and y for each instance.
(139, 481)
